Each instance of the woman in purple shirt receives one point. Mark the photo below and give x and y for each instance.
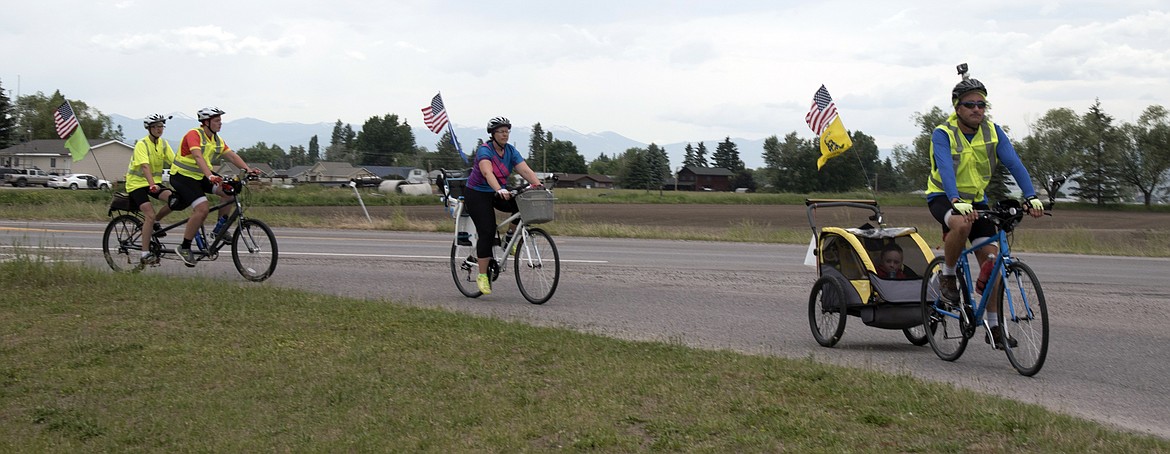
(486, 191)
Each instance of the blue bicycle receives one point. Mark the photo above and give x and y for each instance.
(1011, 284)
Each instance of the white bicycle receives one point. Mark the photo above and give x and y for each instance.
(534, 254)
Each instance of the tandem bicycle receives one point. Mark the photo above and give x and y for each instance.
(253, 245)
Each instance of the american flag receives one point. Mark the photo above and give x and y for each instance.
(434, 115)
(822, 111)
(65, 120)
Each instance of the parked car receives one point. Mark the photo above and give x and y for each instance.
(79, 181)
(25, 177)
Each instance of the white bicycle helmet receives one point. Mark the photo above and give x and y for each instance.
(154, 118)
(498, 122)
(208, 113)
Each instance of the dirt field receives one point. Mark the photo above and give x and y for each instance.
(791, 216)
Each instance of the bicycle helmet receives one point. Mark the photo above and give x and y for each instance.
(966, 86)
(155, 118)
(208, 113)
(497, 123)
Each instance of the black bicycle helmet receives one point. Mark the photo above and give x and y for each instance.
(967, 86)
(154, 118)
(497, 123)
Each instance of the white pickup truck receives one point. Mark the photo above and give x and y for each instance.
(25, 177)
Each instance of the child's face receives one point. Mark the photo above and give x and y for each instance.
(892, 261)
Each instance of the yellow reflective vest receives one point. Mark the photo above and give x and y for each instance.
(158, 155)
(213, 150)
(973, 159)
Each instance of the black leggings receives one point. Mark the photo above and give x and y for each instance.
(481, 207)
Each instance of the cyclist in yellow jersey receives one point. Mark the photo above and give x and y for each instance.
(193, 177)
(152, 154)
(964, 153)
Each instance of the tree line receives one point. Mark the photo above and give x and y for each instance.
(1108, 161)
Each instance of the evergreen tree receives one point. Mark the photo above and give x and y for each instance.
(658, 166)
(689, 159)
(727, 156)
(9, 134)
(536, 147)
(446, 155)
(634, 173)
(701, 155)
(339, 144)
(297, 156)
(314, 151)
(1099, 165)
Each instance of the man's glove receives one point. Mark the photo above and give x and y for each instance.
(1035, 203)
(963, 208)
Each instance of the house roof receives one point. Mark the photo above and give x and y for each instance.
(334, 169)
(575, 177)
(54, 147)
(296, 170)
(227, 168)
(714, 171)
(385, 171)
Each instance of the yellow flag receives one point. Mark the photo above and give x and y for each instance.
(834, 141)
(77, 144)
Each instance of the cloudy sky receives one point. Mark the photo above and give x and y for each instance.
(654, 71)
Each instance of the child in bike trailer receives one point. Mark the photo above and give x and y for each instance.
(486, 192)
(964, 152)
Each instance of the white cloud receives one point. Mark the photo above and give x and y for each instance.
(663, 71)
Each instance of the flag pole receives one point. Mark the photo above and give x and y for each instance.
(455, 141)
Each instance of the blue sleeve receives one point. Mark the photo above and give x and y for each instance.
(940, 144)
(1010, 159)
(482, 153)
(514, 158)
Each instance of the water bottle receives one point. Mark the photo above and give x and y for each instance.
(463, 227)
(497, 250)
(199, 241)
(984, 274)
(219, 226)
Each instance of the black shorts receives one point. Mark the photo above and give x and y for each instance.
(940, 206)
(142, 195)
(188, 190)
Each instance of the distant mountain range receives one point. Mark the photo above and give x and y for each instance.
(246, 132)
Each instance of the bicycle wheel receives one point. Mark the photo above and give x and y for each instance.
(826, 311)
(254, 250)
(1025, 318)
(464, 269)
(121, 243)
(538, 266)
(943, 322)
(916, 335)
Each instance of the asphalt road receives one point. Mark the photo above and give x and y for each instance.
(1108, 360)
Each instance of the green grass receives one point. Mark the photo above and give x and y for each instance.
(139, 363)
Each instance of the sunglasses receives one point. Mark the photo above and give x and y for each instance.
(974, 104)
